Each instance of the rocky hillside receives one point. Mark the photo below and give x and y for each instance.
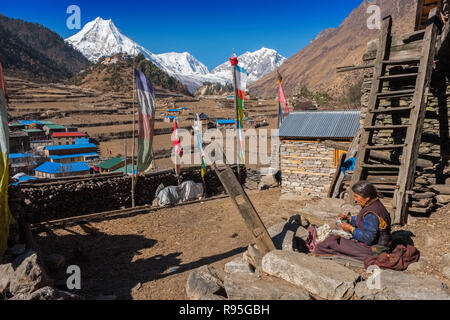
(315, 66)
(116, 75)
(33, 52)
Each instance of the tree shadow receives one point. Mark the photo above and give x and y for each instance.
(111, 265)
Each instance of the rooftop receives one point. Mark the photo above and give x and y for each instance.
(53, 167)
(71, 156)
(68, 134)
(321, 124)
(71, 146)
(111, 163)
(20, 155)
(55, 126)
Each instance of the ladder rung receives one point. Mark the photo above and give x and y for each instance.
(380, 166)
(393, 127)
(398, 93)
(386, 147)
(390, 110)
(399, 76)
(401, 61)
(386, 187)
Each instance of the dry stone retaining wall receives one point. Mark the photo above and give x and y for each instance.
(306, 167)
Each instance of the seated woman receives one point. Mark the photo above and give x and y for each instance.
(372, 226)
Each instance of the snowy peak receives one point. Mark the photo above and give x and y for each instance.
(258, 63)
(101, 38)
(182, 63)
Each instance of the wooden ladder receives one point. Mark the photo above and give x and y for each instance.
(410, 132)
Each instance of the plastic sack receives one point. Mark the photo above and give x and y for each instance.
(190, 191)
(168, 196)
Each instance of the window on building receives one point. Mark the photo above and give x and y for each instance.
(337, 156)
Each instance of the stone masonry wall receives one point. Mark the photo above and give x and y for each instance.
(306, 167)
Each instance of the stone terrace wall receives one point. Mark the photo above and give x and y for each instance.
(306, 167)
(61, 200)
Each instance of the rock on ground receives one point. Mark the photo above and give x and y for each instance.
(6, 273)
(202, 283)
(322, 278)
(446, 260)
(28, 275)
(446, 272)
(282, 235)
(395, 285)
(242, 286)
(47, 293)
(238, 265)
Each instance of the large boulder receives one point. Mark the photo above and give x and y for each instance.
(203, 283)
(28, 276)
(244, 286)
(47, 293)
(322, 278)
(395, 285)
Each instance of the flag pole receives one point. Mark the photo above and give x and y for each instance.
(238, 146)
(133, 177)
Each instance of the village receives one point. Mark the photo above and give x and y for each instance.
(230, 202)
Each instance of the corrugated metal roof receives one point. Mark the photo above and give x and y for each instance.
(226, 121)
(20, 155)
(68, 134)
(54, 126)
(53, 167)
(108, 164)
(321, 124)
(71, 146)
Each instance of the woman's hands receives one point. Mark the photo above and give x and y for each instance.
(344, 217)
(347, 227)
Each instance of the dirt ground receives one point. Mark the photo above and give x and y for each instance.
(149, 257)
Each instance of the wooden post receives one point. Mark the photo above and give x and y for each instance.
(133, 176)
(125, 153)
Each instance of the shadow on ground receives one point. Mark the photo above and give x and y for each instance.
(111, 265)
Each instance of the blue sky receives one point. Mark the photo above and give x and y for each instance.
(209, 30)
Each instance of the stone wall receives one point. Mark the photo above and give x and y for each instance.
(306, 167)
(59, 200)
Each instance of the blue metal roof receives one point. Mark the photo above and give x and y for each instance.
(229, 121)
(171, 117)
(20, 155)
(321, 124)
(71, 156)
(71, 146)
(82, 141)
(53, 167)
(174, 110)
(28, 122)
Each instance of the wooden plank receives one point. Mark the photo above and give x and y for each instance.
(245, 207)
(396, 77)
(389, 127)
(391, 110)
(399, 93)
(414, 135)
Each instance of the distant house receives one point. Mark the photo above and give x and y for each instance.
(65, 138)
(35, 134)
(18, 141)
(15, 126)
(52, 128)
(56, 170)
(308, 160)
(21, 162)
(170, 119)
(70, 149)
(76, 157)
(111, 165)
(226, 123)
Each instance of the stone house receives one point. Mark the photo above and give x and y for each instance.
(311, 144)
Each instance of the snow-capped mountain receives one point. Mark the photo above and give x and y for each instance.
(258, 64)
(101, 38)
